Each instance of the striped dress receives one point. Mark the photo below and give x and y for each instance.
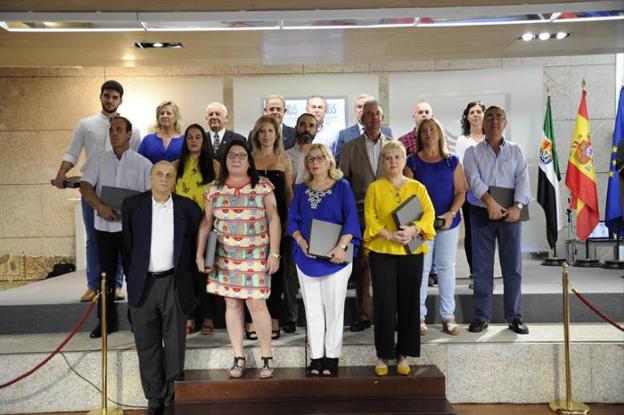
(240, 269)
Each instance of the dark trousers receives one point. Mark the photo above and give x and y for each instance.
(290, 309)
(362, 275)
(109, 249)
(159, 334)
(210, 306)
(396, 292)
(467, 234)
(485, 234)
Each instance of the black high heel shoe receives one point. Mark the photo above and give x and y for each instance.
(315, 368)
(330, 367)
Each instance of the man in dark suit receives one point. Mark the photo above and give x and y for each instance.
(356, 129)
(159, 235)
(361, 165)
(217, 117)
(275, 106)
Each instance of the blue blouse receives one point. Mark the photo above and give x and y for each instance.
(153, 149)
(438, 179)
(337, 206)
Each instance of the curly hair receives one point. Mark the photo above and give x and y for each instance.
(465, 124)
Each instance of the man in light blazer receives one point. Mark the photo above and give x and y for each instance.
(356, 129)
(361, 165)
(159, 238)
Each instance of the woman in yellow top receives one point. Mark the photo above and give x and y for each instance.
(195, 170)
(396, 275)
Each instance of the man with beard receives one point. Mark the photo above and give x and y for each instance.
(305, 130)
(217, 117)
(91, 133)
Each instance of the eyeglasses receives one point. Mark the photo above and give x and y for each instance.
(495, 117)
(237, 156)
(317, 159)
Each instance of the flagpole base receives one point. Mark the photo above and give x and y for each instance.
(615, 264)
(568, 408)
(107, 411)
(553, 262)
(586, 263)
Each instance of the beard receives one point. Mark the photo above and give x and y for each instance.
(305, 138)
(109, 111)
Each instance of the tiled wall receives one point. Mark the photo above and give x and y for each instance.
(42, 105)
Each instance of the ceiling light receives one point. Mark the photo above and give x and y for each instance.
(159, 45)
(543, 36)
(527, 37)
(561, 35)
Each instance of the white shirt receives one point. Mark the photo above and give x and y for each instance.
(463, 143)
(373, 150)
(327, 135)
(131, 172)
(92, 134)
(296, 155)
(161, 245)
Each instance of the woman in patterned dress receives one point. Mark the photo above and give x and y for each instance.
(242, 207)
(195, 170)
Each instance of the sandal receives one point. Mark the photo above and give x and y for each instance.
(315, 368)
(238, 368)
(330, 367)
(275, 334)
(267, 369)
(207, 327)
(251, 335)
(190, 326)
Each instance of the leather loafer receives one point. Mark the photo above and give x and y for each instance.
(289, 327)
(96, 333)
(360, 325)
(517, 326)
(477, 326)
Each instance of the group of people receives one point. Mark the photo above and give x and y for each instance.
(261, 195)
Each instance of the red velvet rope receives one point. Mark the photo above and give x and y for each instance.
(58, 349)
(595, 310)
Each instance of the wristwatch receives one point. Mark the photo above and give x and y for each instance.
(274, 255)
(519, 205)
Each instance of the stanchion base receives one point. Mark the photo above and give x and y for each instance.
(553, 262)
(107, 411)
(568, 408)
(613, 264)
(586, 263)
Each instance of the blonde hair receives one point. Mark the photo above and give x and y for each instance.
(392, 146)
(278, 145)
(176, 113)
(333, 172)
(442, 146)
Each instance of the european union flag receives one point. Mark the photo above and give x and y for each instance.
(613, 210)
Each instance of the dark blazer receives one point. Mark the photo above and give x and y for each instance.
(137, 234)
(349, 134)
(227, 137)
(289, 137)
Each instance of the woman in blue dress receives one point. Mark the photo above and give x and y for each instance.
(166, 142)
(326, 196)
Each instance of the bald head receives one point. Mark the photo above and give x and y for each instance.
(162, 178)
(422, 111)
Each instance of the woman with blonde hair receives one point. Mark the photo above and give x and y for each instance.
(325, 196)
(167, 141)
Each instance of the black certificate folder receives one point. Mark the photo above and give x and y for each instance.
(114, 196)
(505, 197)
(211, 249)
(406, 213)
(324, 237)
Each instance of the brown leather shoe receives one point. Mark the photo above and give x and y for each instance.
(89, 295)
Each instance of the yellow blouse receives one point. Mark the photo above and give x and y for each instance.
(189, 185)
(381, 199)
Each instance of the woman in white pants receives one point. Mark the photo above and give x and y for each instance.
(325, 196)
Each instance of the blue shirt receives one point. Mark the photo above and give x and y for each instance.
(335, 207)
(438, 179)
(153, 149)
(484, 168)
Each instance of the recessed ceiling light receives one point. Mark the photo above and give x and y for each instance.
(527, 37)
(561, 35)
(157, 45)
(148, 45)
(543, 36)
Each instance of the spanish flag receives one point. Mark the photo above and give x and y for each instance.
(581, 175)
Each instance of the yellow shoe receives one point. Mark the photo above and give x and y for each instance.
(403, 366)
(381, 368)
(89, 295)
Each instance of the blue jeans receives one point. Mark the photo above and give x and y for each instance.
(442, 250)
(93, 261)
(485, 234)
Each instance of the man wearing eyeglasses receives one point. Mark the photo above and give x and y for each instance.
(501, 163)
(422, 111)
(360, 163)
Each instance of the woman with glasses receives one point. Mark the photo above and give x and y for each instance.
(241, 205)
(325, 196)
(166, 142)
(396, 271)
(444, 180)
(273, 163)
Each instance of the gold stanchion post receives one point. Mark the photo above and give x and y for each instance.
(567, 407)
(104, 410)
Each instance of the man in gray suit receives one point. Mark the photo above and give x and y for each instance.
(360, 163)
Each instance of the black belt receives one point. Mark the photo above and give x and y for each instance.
(161, 274)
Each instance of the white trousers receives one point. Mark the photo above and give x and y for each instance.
(324, 302)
